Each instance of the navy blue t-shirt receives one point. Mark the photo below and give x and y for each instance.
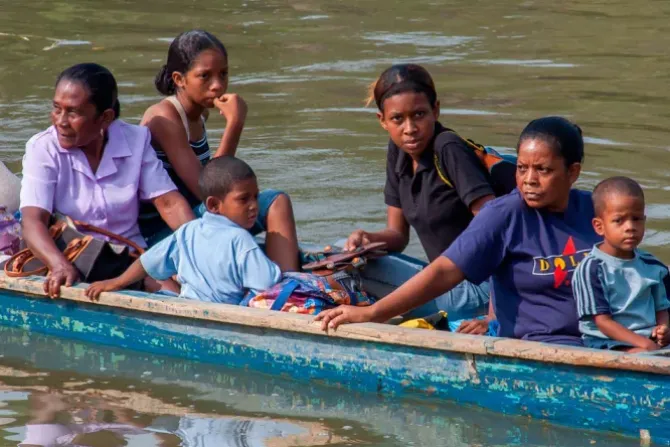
(530, 256)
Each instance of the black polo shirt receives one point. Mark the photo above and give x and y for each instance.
(438, 212)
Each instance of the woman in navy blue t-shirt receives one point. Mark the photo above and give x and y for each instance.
(529, 242)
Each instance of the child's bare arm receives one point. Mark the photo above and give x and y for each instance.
(133, 274)
(616, 331)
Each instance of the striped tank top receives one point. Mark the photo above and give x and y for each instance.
(149, 219)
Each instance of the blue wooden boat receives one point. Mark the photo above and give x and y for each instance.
(576, 387)
(168, 388)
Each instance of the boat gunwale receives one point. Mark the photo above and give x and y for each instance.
(369, 332)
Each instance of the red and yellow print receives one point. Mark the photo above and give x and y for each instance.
(561, 265)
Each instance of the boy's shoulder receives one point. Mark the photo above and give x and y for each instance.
(596, 266)
(231, 235)
(242, 240)
(590, 266)
(650, 259)
(188, 228)
(588, 280)
(654, 266)
(225, 235)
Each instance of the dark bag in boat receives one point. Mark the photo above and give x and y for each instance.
(96, 259)
(501, 168)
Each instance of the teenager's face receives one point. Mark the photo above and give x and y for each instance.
(622, 224)
(206, 80)
(409, 118)
(542, 177)
(240, 205)
(77, 121)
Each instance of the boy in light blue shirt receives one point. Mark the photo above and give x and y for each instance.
(215, 257)
(621, 291)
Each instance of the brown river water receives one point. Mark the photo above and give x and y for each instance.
(303, 67)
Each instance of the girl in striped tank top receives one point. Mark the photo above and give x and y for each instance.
(195, 79)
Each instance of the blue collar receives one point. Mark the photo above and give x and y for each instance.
(218, 220)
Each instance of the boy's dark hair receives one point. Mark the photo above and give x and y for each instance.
(219, 176)
(620, 185)
(100, 83)
(183, 51)
(563, 137)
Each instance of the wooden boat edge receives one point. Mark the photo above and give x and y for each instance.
(370, 332)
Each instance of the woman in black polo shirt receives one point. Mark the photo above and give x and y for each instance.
(434, 183)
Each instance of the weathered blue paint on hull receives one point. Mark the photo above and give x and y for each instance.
(175, 381)
(613, 400)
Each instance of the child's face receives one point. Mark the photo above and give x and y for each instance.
(621, 224)
(409, 119)
(240, 205)
(207, 79)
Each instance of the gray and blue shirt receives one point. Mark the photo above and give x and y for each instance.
(630, 290)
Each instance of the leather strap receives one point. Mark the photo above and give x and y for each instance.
(79, 225)
(14, 265)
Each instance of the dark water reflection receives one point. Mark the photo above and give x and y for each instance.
(61, 392)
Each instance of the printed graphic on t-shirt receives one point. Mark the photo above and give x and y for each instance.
(560, 266)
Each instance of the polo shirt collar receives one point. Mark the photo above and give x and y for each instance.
(426, 161)
(117, 147)
(217, 220)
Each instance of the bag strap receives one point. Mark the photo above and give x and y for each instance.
(14, 265)
(441, 174)
(480, 151)
(182, 114)
(285, 293)
(79, 225)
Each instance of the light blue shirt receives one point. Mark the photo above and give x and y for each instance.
(630, 290)
(214, 259)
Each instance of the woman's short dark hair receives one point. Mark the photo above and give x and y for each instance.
(399, 79)
(563, 137)
(100, 83)
(183, 51)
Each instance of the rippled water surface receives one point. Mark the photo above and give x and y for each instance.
(303, 67)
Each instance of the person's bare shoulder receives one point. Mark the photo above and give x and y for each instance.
(163, 109)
